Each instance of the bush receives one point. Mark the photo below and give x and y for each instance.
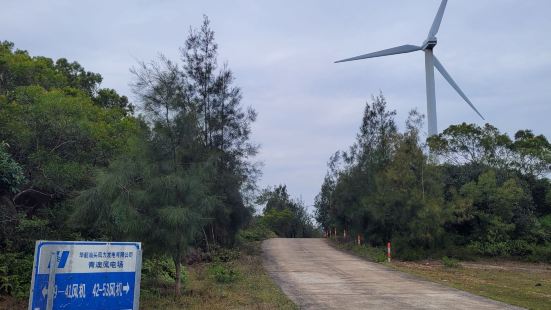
(520, 248)
(257, 232)
(15, 274)
(376, 254)
(161, 272)
(366, 251)
(224, 255)
(490, 248)
(545, 224)
(541, 253)
(409, 253)
(450, 262)
(223, 274)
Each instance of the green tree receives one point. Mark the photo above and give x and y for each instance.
(11, 173)
(408, 205)
(285, 216)
(11, 178)
(109, 98)
(140, 197)
(533, 153)
(197, 94)
(60, 138)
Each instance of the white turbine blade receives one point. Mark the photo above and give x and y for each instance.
(391, 51)
(448, 77)
(437, 20)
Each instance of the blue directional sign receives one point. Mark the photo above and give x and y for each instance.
(86, 275)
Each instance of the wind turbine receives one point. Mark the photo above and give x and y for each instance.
(430, 62)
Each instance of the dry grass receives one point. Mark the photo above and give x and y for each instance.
(12, 303)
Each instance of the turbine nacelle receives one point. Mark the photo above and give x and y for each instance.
(429, 44)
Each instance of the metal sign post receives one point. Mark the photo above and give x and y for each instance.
(86, 275)
(51, 282)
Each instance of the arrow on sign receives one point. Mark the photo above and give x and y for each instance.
(126, 288)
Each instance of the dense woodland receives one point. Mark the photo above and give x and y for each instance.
(479, 192)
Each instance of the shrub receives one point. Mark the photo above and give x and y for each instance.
(257, 232)
(160, 271)
(545, 224)
(366, 251)
(503, 248)
(490, 248)
(223, 274)
(520, 248)
(410, 253)
(224, 255)
(15, 274)
(450, 262)
(541, 253)
(376, 254)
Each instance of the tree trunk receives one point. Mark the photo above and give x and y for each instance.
(178, 284)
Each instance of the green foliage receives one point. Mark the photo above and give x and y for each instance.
(135, 198)
(541, 253)
(160, 271)
(223, 273)
(59, 138)
(15, 271)
(11, 173)
(257, 231)
(53, 137)
(197, 115)
(468, 143)
(284, 216)
(545, 222)
(374, 254)
(77, 156)
(450, 262)
(224, 255)
(109, 98)
(519, 248)
(479, 191)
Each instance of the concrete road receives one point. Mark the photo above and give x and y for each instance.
(317, 276)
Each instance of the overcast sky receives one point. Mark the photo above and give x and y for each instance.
(282, 53)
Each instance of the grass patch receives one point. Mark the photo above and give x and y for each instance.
(450, 262)
(517, 283)
(238, 283)
(528, 286)
(223, 274)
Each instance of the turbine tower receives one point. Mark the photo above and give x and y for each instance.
(430, 62)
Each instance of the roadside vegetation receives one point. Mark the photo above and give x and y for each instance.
(480, 193)
(285, 216)
(225, 279)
